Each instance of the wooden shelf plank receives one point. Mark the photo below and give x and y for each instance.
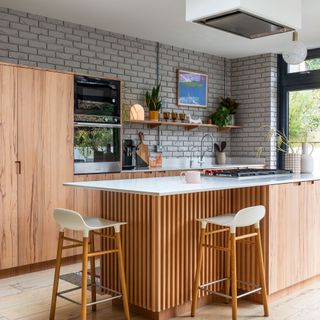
(187, 125)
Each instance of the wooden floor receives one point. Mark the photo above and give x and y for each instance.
(27, 297)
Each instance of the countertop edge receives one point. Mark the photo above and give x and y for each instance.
(250, 183)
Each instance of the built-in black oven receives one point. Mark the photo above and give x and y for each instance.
(97, 125)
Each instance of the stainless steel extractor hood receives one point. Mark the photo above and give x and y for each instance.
(243, 24)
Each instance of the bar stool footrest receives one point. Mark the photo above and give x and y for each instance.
(204, 286)
(117, 295)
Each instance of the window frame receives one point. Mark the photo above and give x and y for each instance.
(295, 81)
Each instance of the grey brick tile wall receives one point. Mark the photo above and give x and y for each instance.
(43, 42)
(254, 85)
(39, 41)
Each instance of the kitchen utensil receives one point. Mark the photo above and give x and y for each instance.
(223, 146)
(142, 153)
(216, 148)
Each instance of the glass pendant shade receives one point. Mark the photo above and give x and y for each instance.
(297, 52)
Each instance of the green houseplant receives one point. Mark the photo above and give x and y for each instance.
(230, 104)
(153, 102)
(222, 117)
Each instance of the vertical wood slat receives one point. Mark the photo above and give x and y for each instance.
(160, 242)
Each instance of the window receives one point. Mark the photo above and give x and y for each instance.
(299, 102)
(307, 65)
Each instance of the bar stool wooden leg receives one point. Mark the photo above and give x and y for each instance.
(93, 273)
(84, 279)
(234, 277)
(198, 272)
(56, 276)
(228, 258)
(122, 277)
(262, 274)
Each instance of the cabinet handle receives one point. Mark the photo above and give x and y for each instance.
(18, 167)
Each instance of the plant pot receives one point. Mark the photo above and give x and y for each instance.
(154, 115)
(292, 161)
(232, 120)
(221, 157)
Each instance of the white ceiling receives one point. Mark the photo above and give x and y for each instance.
(164, 21)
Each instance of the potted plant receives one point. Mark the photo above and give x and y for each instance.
(153, 103)
(231, 105)
(222, 117)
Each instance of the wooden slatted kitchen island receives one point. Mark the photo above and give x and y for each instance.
(160, 239)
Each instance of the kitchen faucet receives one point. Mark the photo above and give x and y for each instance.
(192, 154)
(202, 152)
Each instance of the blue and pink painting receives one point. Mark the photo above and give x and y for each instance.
(192, 89)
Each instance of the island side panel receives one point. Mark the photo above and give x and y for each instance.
(160, 244)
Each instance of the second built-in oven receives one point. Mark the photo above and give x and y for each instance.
(97, 126)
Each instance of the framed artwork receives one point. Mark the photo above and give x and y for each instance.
(192, 89)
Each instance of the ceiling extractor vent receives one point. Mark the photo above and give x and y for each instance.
(247, 18)
(244, 24)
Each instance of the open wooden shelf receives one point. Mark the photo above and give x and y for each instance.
(186, 125)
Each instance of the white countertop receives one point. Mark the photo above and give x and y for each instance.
(175, 185)
(198, 167)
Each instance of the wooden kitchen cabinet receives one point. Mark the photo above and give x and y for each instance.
(8, 176)
(36, 134)
(294, 237)
(284, 235)
(45, 150)
(310, 230)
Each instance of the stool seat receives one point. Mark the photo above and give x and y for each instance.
(243, 218)
(73, 220)
(226, 220)
(94, 223)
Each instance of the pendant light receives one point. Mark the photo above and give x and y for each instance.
(297, 52)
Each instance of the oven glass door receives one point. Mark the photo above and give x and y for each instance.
(97, 100)
(97, 149)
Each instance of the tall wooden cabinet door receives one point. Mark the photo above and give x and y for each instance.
(285, 243)
(8, 175)
(310, 230)
(45, 149)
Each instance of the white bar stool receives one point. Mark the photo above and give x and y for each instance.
(72, 220)
(244, 218)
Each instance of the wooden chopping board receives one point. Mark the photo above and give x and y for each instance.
(142, 153)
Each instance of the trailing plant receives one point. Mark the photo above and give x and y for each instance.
(222, 117)
(152, 100)
(229, 103)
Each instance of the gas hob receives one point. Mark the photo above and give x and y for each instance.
(246, 173)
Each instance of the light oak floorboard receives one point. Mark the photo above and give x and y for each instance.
(28, 297)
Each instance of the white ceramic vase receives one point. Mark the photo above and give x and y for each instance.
(306, 158)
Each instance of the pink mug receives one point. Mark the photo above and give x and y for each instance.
(193, 177)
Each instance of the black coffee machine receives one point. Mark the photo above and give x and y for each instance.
(128, 154)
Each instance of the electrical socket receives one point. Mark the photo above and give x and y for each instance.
(159, 148)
